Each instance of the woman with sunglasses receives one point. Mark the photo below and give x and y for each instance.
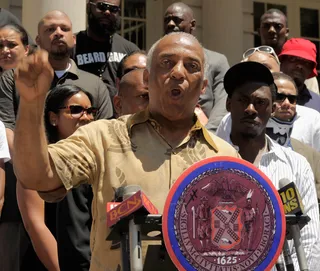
(67, 108)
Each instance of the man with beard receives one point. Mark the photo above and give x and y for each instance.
(99, 48)
(179, 17)
(251, 93)
(299, 60)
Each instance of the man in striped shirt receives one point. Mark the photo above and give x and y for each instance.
(251, 93)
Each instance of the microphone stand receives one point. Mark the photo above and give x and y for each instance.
(131, 237)
(295, 223)
(302, 259)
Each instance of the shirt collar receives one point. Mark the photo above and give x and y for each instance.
(273, 147)
(73, 69)
(144, 116)
(276, 149)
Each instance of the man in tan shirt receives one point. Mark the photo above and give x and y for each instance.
(151, 148)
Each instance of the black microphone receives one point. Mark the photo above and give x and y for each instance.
(134, 204)
(292, 205)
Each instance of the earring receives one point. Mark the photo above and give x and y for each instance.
(54, 124)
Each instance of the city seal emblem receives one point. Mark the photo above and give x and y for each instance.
(223, 214)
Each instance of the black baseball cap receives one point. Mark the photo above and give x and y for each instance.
(244, 72)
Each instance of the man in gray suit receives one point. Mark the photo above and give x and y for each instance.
(179, 17)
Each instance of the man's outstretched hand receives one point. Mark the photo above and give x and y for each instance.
(33, 77)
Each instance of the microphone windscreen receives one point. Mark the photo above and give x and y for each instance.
(129, 190)
(283, 182)
(290, 197)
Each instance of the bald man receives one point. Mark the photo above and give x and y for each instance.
(133, 149)
(179, 18)
(266, 59)
(133, 95)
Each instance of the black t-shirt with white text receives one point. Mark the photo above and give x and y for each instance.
(102, 58)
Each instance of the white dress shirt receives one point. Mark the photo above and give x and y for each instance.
(283, 163)
(306, 127)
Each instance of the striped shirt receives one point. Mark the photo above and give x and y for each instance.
(283, 163)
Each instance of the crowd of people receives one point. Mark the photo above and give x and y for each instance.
(82, 114)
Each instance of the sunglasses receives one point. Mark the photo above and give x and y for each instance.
(103, 7)
(77, 111)
(282, 97)
(264, 49)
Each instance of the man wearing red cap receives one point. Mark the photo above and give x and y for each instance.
(298, 59)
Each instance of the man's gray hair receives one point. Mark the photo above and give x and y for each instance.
(183, 34)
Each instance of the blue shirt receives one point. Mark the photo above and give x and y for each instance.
(309, 99)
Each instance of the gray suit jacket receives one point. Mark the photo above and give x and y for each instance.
(213, 101)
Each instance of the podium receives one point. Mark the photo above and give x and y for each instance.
(222, 213)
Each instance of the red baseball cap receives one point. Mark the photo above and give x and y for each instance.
(301, 48)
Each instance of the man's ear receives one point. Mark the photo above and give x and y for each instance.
(117, 105)
(193, 25)
(204, 86)
(274, 106)
(38, 40)
(146, 77)
(228, 104)
(287, 32)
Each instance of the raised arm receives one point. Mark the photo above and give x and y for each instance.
(32, 166)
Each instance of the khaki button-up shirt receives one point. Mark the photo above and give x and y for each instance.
(127, 151)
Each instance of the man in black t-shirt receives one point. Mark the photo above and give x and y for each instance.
(99, 48)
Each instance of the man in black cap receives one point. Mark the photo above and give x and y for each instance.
(251, 92)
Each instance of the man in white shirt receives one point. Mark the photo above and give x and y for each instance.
(251, 93)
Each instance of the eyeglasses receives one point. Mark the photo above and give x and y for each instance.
(103, 7)
(264, 49)
(77, 111)
(282, 97)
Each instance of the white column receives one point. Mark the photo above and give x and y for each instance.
(34, 10)
(154, 28)
(223, 28)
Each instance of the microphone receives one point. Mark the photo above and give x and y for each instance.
(292, 205)
(134, 202)
(290, 197)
